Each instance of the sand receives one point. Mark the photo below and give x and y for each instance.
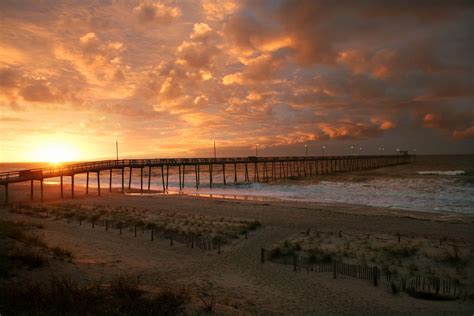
(240, 283)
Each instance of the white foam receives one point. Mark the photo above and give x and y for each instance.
(443, 173)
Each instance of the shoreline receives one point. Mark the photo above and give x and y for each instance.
(52, 193)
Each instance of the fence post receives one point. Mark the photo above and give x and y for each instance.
(135, 228)
(219, 246)
(334, 272)
(171, 239)
(106, 225)
(375, 275)
(294, 263)
(152, 234)
(192, 241)
(262, 255)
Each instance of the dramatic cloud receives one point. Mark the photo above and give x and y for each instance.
(176, 75)
(158, 13)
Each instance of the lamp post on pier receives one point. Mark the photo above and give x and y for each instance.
(256, 150)
(322, 148)
(215, 154)
(306, 150)
(352, 150)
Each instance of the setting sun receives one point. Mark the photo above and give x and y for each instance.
(56, 152)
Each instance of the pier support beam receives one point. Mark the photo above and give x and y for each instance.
(149, 177)
(141, 179)
(182, 177)
(31, 190)
(42, 194)
(179, 176)
(196, 176)
(167, 175)
(98, 183)
(72, 186)
(130, 179)
(62, 187)
(163, 178)
(235, 173)
(110, 181)
(123, 179)
(223, 173)
(210, 176)
(6, 194)
(87, 184)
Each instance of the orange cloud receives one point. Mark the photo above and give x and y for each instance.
(219, 9)
(468, 133)
(157, 13)
(256, 69)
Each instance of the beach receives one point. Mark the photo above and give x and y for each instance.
(239, 281)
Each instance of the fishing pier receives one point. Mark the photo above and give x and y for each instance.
(252, 169)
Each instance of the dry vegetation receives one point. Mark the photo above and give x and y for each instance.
(63, 296)
(215, 228)
(22, 247)
(405, 256)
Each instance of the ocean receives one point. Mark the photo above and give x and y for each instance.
(431, 183)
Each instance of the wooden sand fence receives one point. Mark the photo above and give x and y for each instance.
(430, 287)
(153, 232)
(191, 240)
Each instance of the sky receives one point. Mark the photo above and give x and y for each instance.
(168, 78)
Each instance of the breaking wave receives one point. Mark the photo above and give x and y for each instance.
(443, 173)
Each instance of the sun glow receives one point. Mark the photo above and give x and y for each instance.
(56, 153)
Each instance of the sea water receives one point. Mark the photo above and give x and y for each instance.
(431, 183)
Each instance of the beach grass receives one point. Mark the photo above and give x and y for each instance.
(223, 229)
(394, 254)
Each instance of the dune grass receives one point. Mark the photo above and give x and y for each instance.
(64, 296)
(21, 246)
(409, 255)
(224, 229)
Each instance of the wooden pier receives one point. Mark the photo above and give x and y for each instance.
(255, 169)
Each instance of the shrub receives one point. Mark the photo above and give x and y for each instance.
(400, 251)
(429, 296)
(275, 253)
(453, 257)
(61, 253)
(254, 225)
(27, 258)
(394, 287)
(63, 296)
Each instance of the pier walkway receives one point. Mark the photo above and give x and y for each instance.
(255, 169)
